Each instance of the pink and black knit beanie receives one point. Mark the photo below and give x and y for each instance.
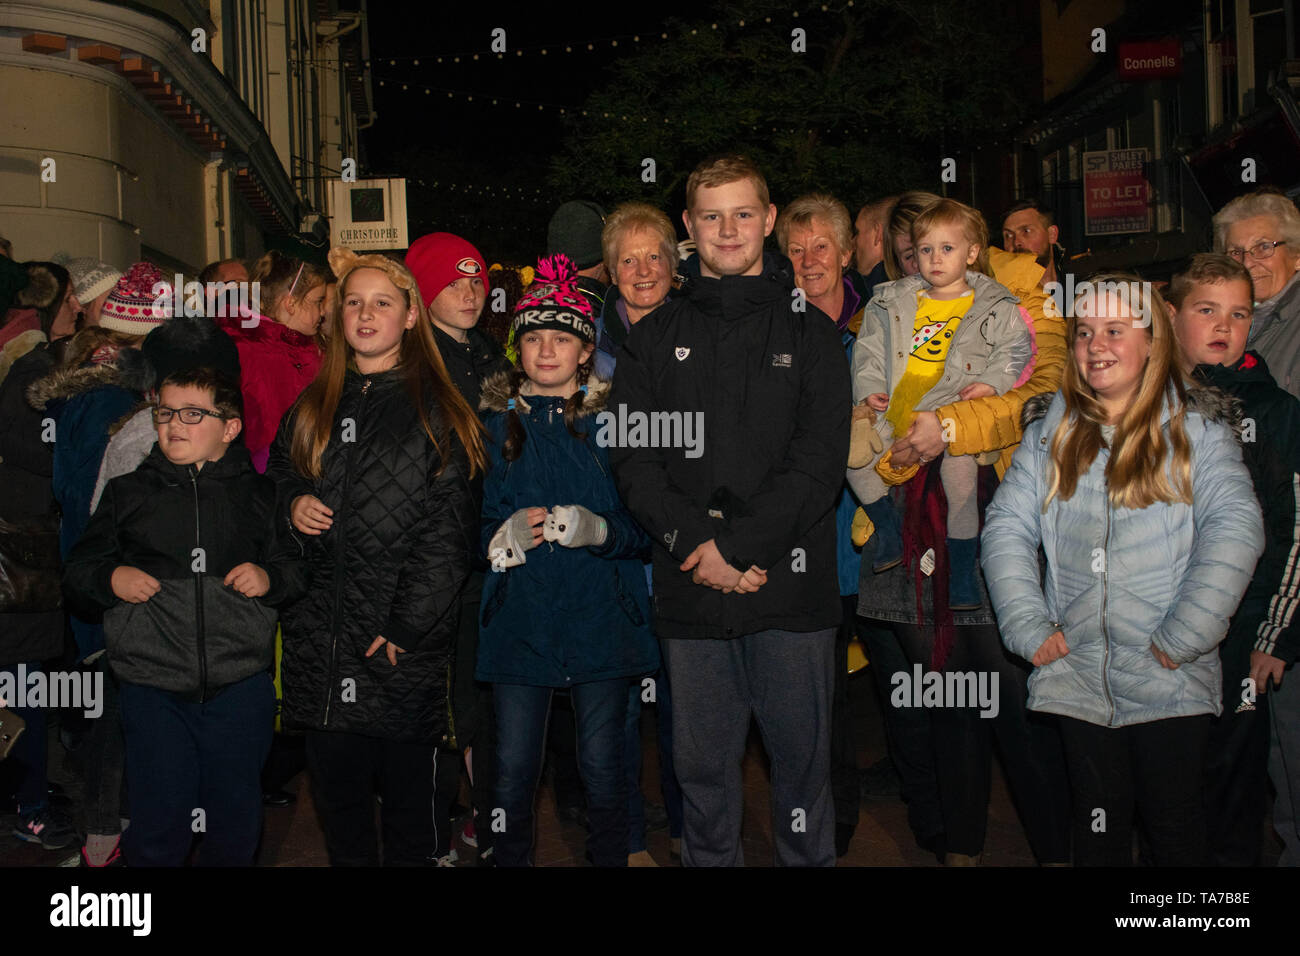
(555, 302)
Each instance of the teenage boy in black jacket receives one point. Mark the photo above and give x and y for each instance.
(746, 598)
(186, 560)
(1211, 303)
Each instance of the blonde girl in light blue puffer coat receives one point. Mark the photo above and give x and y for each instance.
(1133, 484)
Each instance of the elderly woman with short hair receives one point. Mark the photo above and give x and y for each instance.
(640, 248)
(815, 233)
(1261, 230)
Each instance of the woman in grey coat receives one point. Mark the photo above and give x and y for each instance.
(1133, 484)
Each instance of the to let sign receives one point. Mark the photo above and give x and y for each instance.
(1150, 59)
(1116, 194)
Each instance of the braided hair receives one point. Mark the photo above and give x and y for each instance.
(573, 407)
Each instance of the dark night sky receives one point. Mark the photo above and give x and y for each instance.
(501, 141)
(558, 78)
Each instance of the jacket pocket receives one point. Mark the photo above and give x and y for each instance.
(495, 602)
(627, 602)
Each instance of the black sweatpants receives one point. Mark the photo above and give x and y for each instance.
(1155, 771)
(962, 740)
(344, 769)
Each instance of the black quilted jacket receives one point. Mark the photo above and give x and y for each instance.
(392, 564)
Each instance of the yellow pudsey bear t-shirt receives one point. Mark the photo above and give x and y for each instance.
(936, 324)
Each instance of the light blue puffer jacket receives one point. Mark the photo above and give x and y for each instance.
(1120, 580)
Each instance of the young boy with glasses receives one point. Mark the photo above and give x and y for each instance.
(185, 560)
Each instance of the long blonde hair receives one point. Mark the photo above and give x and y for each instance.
(422, 369)
(1135, 472)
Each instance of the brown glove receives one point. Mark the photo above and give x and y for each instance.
(864, 440)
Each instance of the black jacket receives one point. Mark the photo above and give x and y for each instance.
(188, 528)
(392, 564)
(471, 362)
(1265, 620)
(772, 383)
(27, 491)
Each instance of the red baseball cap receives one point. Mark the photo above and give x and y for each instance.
(440, 258)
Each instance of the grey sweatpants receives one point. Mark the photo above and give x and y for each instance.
(784, 678)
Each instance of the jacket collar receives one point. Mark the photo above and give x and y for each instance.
(1209, 402)
(774, 283)
(263, 330)
(988, 292)
(1277, 309)
(129, 369)
(234, 462)
(1251, 367)
(495, 395)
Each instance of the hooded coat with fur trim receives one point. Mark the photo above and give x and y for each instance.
(1120, 580)
(566, 615)
(84, 401)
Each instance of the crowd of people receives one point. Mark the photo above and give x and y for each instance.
(383, 530)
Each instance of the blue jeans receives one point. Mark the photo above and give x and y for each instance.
(672, 793)
(521, 714)
(183, 756)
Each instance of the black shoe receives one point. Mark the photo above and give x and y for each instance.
(936, 843)
(574, 814)
(843, 837)
(880, 781)
(656, 817)
(278, 799)
(48, 828)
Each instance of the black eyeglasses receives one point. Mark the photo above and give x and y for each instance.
(188, 416)
(1260, 250)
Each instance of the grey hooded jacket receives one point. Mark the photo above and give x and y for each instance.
(992, 344)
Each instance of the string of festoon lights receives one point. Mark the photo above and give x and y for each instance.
(484, 190)
(594, 45)
(524, 105)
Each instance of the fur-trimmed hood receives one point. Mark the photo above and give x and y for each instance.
(1211, 403)
(496, 393)
(129, 370)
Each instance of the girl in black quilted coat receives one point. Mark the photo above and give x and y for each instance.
(374, 466)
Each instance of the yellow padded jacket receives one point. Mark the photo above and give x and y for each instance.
(985, 424)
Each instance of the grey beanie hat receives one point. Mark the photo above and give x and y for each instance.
(90, 277)
(575, 231)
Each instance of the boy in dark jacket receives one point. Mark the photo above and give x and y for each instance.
(1211, 303)
(184, 558)
(746, 596)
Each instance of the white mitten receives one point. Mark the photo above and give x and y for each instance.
(573, 526)
(512, 539)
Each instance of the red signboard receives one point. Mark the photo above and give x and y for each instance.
(1150, 59)
(1116, 194)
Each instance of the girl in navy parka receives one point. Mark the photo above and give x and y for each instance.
(1133, 483)
(567, 606)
